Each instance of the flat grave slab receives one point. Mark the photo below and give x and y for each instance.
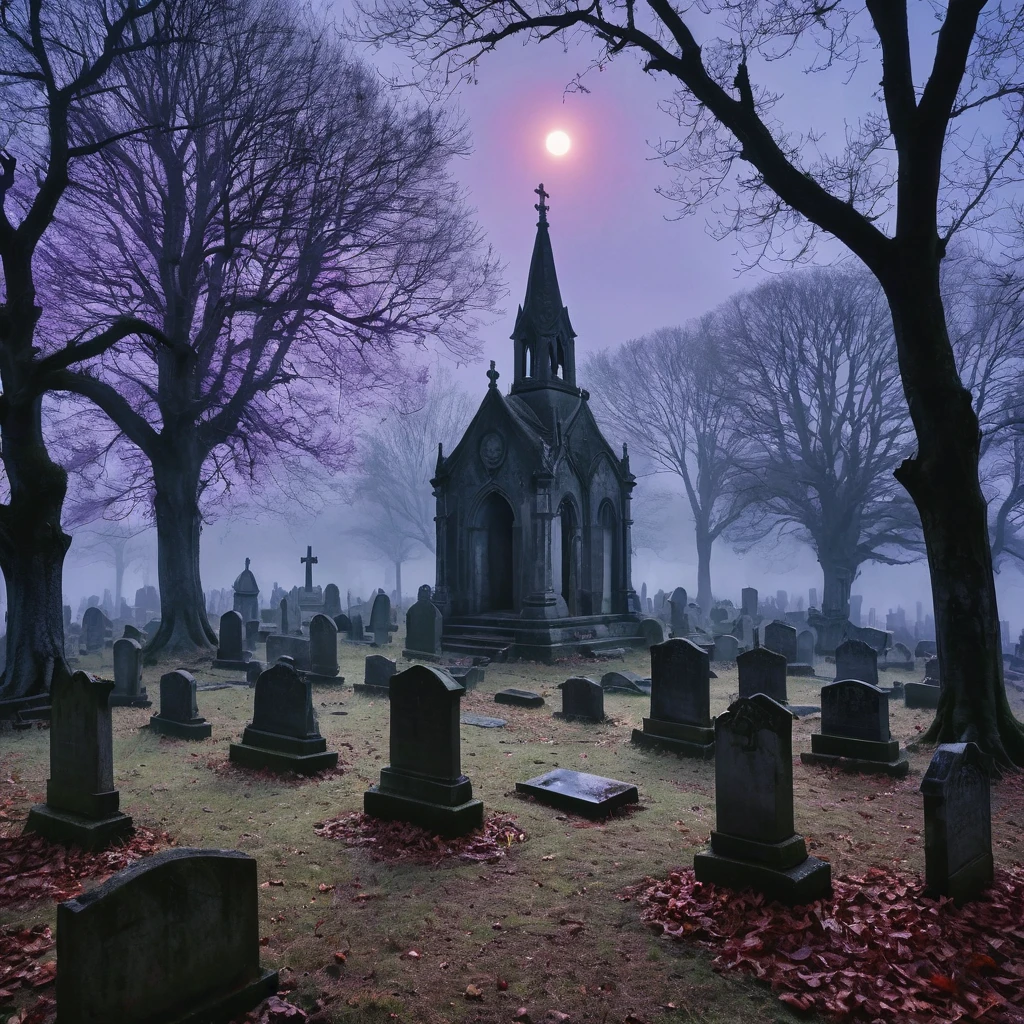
(483, 721)
(920, 695)
(519, 698)
(591, 796)
(803, 710)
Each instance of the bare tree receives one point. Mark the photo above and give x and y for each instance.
(390, 492)
(813, 360)
(925, 162)
(294, 228)
(115, 543)
(57, 57)
(667, 395)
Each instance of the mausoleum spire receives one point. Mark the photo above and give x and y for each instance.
(544, 339)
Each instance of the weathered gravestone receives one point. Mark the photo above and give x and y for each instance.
(519, 698)
(294, 647)
(926, 649)
(727, 647)
(332, 600)
(857, 660)
(231, 653)
(957, 822)
(899, 656)
(95, 630)
(469, 677)
(282, 617)
(246, 598)
(626, 682)
(81, 803)
(755, 845)
(174, 937)
(128, 689)
(680, 701)
(424, 783)
(926, 693)
(377, 675)
(134, 633)
(781, 638)
(423, 625)
(284, 735)
(582, 700)
(343, 623)
(855, 731)
(380, 619)
(179, 712)
(804, 664)
(652, 631)
(356, 632)
(748, 602)
(762, 671)
(680, 620)
(323, 649)
(592, 796)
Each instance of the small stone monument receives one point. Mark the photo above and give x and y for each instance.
(230, 652)
(727, 648)
(926, 649)
(519, 698)
(380, 619)
(621, 681)
(179, 712)
(804, 664)
(134, 633)
(899, 657)
(377, 675)
(128, 689)
(295, 647)
(246, 599)
(857, 660)
(855, 731)
(762, 671)
(282, 614)
(755, 845)
(957, 822)
(680, 621)
(323, 650)
(175, 936)
(424, 783)
(284, 735)
(680, 701)
(423, 625)
(81, 803)
(582, 700)
(356, 631)
(781, 637)
(95, 630)
(748, 602)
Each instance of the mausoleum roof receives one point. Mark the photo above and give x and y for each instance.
(246, 582)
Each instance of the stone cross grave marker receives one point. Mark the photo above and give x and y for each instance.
(957, 822)
(174, 935)
(762, 671)
(81, 802)
(284, 734)
(424, 784)
(582, 700)
(309, 561)
(179, 712)
(680, 718)
(855, 731)
(755, 844)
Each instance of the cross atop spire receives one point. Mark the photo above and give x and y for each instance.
(541, 207)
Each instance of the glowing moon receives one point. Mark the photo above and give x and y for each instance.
(558, 143)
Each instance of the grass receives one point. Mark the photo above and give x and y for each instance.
(514, 921)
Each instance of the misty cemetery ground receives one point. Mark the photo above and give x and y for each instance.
(552, 926)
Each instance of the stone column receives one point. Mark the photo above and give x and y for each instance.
(543, 602)
(442, 592)
(628, 600)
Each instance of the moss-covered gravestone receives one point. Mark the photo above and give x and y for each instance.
(231, 653)
(582, 700)
(323, 650)
(423, 625)
(957, 822)
(424, 784)
(81, 802)
(857, 660)
(762, 671)
(284, 734)
(680, 701)
(175, 937)
(855, 731)
(128, 689)
(179, 712)
(755, 845)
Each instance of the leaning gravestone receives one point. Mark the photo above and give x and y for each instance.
(582, 700)
(519, 698)
(762, 671)
(94, 630)
(680, 701)
(377, 675)
(755, 845)
(380, 619)
(727, 647)
(175, 936)
(857, 660)
(855, 731)
(230, 651)
(680, 621)
(81, 803)
(469, 677)
(332, 600)
(781, 638)
(179, 712)
(323, 649)
(128, 689)
(957, 822)
(625, 682)
(134, 633)
(423, 625)
(284, 735)
(424, 783)
(652, 631)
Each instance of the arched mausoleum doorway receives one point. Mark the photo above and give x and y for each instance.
(494, 562)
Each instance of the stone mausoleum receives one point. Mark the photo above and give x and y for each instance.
(533, 505)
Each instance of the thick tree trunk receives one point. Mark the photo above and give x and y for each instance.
(942, 479)
(32, 550)
(704, 544)
(838, 576)
(184, 626)
(398, 584)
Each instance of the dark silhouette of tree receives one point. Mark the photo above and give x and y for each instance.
(57, 58)
(666, 394)
(812, 360)
(287, 229)
(117, 544)
(923, 163)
